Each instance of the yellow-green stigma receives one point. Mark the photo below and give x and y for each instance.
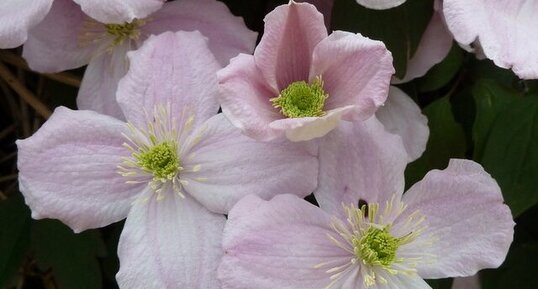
(376, 247)
(301, 99)
(122, 32)
(161, 160)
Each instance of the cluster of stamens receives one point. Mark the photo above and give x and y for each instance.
(113, 35)
(367, 235)
(301, 99)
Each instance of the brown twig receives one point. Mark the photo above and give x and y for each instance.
(63, 77)
(23, 92)
(8, 178)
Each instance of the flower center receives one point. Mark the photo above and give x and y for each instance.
(301, 99)
(161, 160)
(122, 32)
(376, 246)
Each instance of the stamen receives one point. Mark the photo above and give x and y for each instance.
(301, 99)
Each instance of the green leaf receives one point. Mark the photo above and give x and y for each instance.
(511, 153)
(491, 99)
(518, 271)
(400, 28)
(440, 283)
(72, 257)
(442, 73)
(14, 236)
(447, 140)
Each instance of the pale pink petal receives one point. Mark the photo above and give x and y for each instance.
(401, 281)
(380, 4)
(175, 70)
(17, 17)
(355, 71)
(323, 6)
(307, 128)
(68, 170)
(285, 50)
(227, 34)
(244, 97)
(505, 31)
(277, 244)
(170, 243)
(432, 49)
(221, 166)
(55, 44)
(100, 82)
(359, 160)
(469, 225)
(472, 282)
(119, 11)
(402, 116)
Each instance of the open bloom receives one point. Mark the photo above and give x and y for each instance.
(68, 39)
(504, 31)
(301, 82)
(173, 170)
(366, 232)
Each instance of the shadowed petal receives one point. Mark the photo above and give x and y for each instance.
(466, 216)
(244, 96)
(285, 50)
(355, 71)
(19, 16)
(277, 244)
(359, 160)
(119, 11)
(175, 69)
(228, 36)
(170, 243)
(225, 165)
(472, 282)
(54, 44)
(68, 170)
(402, 116)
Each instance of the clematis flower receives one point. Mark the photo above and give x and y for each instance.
(17, 17)
(68, 39)
(173, 171)
(300, 82)
(502, 31)
(366, 233)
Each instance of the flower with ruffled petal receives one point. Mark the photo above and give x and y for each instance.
(68, 39)
(173, 169)
(366, 233)
(501, 30)
(300, 82)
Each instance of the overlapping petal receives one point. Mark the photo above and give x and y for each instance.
(175, 70)
(285, 50)
(277, 244)
(505, 31)
(355, 71)
(359, 160)
(402, 116)
(227, 34)
(68, 170)
(119, 11)
(17, 17)
(57, 44)
(170, 243)
(229, 166)
(466, 216)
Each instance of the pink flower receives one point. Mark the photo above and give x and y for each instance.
(301, 82)
(17, 17)
(366, 232)
(503, 31)
(173, 170)
(68, 39)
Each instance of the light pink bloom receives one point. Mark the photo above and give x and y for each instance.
(320, 79)
(68, 39)
(452, 223)
(173, 170)
(17, 17)
(503, 31)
